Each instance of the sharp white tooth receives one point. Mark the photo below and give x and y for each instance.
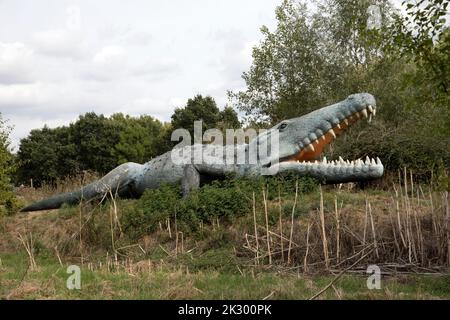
(374, 112)
(364, 113)
(332, 133)
(323, 137)
(346, 122)
(316, 162)
(373, 162)
(352, 163)
(316, 142)
(341, 160)
(367, 160)
(370, 117)
(347, 162)
(310, 147)
(370, 108)
(339, 126)
(378, 161)
(324, 160)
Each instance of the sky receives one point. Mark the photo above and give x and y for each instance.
(60, 58)
(63, 58)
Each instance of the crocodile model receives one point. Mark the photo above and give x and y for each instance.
(301, 142)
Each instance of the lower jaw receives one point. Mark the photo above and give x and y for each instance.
(331, 172)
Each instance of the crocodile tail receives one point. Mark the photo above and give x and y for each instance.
(57, 201)
(119, 181)
(54, 202)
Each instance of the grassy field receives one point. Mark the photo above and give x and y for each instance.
(145, 280)
(301, 245)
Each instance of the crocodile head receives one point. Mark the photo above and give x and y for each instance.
(302, 141)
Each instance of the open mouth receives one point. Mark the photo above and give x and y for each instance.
(310, 152)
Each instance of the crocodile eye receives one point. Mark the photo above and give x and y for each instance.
(282, 126)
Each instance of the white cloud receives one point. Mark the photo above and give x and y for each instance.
(21, 132)
(157, 69)
(110, 56)
(147, 58)
(16, 63)
(161, 109)
(60, 43)
(108, 64)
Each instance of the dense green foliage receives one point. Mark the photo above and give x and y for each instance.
(311, 60)
(225, 199)
(93, 143)
(206, 110)
(8, 202)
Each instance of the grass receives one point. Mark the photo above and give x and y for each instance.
(405, 234)
(175, 282)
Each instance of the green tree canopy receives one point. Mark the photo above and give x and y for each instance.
(93, 143)
(6, 168)
(313, 59)
(205, 109)
(140, 138)
(197, 108)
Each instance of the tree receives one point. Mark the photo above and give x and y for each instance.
(92, 143)
(286, 78)
(140, 138)
(228, 119)
(198, 108)
(205, 109)
(313, 60)
(424, 36)
(7, 198)
(46, 155)
(95, 137)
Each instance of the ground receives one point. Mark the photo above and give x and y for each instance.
(149, 281)
(334, 230)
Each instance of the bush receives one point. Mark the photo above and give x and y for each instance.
(417, 150)
(224, 200)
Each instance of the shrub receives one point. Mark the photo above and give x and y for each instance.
(222, 199)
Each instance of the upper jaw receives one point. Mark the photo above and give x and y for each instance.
(321, 127)
(330, 121)
(314, 131)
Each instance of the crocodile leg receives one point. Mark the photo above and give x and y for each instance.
(190, 180)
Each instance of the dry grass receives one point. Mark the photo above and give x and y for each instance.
(30, 194)
(408, 231)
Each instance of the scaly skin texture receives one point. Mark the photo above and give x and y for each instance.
(301, 141)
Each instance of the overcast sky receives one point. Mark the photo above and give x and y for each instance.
(62, 58)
